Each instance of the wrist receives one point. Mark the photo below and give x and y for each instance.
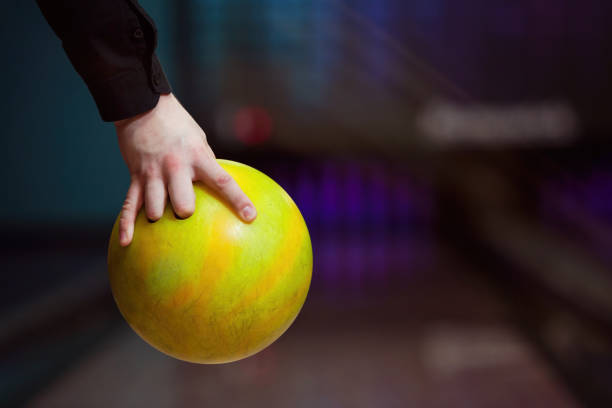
(127, 121)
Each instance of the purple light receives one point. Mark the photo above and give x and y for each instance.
(305, 194)
(330, 194)
(377, 195)
(353, 193)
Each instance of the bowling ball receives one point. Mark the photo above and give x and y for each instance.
(212, 288)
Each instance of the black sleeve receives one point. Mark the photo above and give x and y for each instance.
(111, 44)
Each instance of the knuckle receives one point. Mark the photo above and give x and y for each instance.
(199, 150)
(222, 180)
(172, 163)
(149, 171)
(127, 208)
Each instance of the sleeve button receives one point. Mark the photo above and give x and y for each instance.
(138, 33)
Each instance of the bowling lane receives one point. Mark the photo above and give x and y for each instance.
(397, 315)
(435, 337)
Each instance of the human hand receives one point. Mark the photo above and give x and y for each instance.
(165, 151)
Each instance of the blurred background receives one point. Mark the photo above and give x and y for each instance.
(451, 159)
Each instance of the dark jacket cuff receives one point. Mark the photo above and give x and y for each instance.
(130, 93)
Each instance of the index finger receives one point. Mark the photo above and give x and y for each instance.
(210, 172)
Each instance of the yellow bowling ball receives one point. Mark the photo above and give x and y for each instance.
(212, 288)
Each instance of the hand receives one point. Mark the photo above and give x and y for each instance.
(165, 151)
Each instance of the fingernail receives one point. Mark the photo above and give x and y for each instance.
(248, 213)
(123, 237)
